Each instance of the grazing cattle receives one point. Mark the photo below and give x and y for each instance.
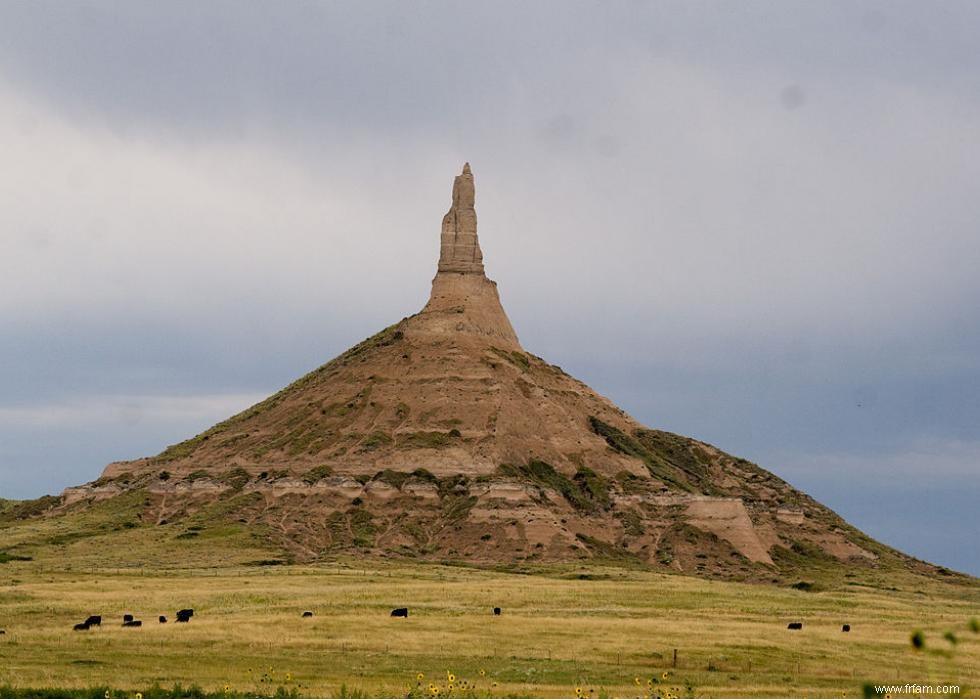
(94, 620)
(2, 632)
(184, 615)
(80, 627)
(127, 617)
(845, 628)
(306, 614)
(496, 611)
(401, 611)
(133, 623)
(163, 619)
(795, 625)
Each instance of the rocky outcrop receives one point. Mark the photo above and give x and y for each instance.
(464, 304)
(460, 248)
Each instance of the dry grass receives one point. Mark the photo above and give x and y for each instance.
(556, 631)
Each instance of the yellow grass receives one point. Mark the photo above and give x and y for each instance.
(556, 631)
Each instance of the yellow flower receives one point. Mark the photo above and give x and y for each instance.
(664, 676)
(289, 677)
(636, 681)
(420, 676)
(139, 695)
(578, 691)
(227, 688)
(107, 694)
(451, 677)
(493, 684)
(483, 672)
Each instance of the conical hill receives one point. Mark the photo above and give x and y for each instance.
(442, 438)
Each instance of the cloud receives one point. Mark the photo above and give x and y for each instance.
(927, 460)
(757, 226)
(124, 411)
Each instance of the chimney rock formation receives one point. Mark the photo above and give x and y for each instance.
(441, 438)
(464, 303)
(460, 248)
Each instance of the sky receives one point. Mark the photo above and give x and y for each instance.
(753, 223)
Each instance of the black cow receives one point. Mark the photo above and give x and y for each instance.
(401, 611)
(2, 632)
(845, 628)
(80, 627)
(133, 623)
(795, 625)
(163, 619)
(496, 611)
(184, 615)
(306, 614)
(94, 620)
(127, 617)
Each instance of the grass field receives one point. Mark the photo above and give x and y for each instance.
(557, 631)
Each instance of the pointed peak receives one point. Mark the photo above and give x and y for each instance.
(459, 249)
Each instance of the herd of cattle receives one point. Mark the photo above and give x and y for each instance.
(183, 616)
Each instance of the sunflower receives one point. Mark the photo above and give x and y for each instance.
(450, 677)
(664, 676)
(420, 676)
(483, 673)
(578, 691)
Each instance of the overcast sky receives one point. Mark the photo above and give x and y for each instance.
(752, 223)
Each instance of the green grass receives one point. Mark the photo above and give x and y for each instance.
(518, 359)
(318, 473)
(644, 449)
(586, 490)
(427, 440)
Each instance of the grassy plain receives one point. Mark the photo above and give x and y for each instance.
(593, 627)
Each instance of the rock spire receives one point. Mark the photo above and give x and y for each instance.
(460, 248)
(464, 305)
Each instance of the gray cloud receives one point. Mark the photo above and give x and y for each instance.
(754, 225)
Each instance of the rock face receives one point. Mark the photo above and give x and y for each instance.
(460, 248)
(442, 437)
